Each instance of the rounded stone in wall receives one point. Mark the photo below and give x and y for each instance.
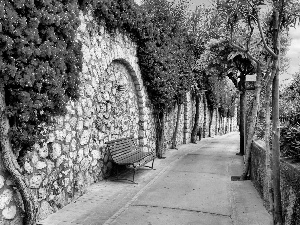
(9, 212)
(44, 210)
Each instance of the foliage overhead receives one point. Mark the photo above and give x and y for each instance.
(164, 45)
(290, 116)
(39, 63)
(215, 65)
(290, 101)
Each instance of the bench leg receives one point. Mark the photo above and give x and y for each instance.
(152, 164)
(151, 167)
(133, 175)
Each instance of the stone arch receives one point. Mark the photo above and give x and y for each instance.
(137, 83)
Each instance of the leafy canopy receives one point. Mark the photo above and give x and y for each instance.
(39, 63)
(164, 45)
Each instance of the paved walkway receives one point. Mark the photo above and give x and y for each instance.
(192, 185)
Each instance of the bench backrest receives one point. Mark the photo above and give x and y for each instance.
(121, 148)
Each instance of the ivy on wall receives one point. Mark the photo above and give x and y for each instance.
(163, 48)
(40, 63)
(158, 29)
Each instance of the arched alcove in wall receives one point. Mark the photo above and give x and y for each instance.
(120, 102)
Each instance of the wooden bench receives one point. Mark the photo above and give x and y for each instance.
(125, 151)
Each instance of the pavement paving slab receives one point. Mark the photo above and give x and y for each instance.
(162, 216)
(189, 191)
(192, 185)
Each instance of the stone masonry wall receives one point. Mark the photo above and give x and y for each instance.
(113, 104)
(290, 180)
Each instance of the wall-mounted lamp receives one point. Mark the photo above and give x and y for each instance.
(121, 87)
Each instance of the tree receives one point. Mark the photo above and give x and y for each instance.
(281, 16)
(214, 66)
(164, 60)
(237, 67)
(40, 63)
(196, 22)
(158, 28)
(289, 109)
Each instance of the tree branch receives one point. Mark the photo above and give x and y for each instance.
(233, 79)
(251, 32)
(245, 51)
(264, 40)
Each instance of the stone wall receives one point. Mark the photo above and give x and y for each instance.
(290, 180)
(113, 104)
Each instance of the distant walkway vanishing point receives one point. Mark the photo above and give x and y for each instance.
(192, 185)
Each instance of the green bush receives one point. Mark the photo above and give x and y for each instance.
(290, 118)
(290, 141)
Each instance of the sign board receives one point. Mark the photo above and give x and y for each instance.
(250, 85)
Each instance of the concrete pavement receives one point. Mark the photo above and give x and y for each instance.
(192, 185)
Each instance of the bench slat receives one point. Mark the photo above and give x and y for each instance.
(119, 140)
(121, 148)
(132, 159)
(125, 151)
(124, 154)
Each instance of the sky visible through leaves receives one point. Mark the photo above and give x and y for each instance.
(294, 49)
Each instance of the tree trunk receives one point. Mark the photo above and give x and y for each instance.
(267, 144)
(185, 122)
(196, 123)
(276, 151)
(227, 125)
(252, 124)
(217, 123)
(242, 115)
(211, 114)
(10, 163)
(222, 130)
(277, 216)
(204, 117)
(174, 139)
(160, 128)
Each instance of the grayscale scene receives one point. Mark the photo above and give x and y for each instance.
(149, 112)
